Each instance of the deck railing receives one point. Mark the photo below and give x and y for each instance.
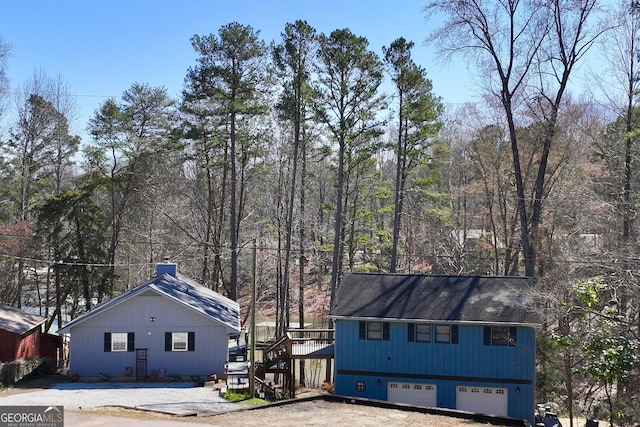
(311, 342)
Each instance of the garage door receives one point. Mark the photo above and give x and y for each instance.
(412, 393)
(482, 400)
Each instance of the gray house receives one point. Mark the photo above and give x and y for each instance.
(167, 326)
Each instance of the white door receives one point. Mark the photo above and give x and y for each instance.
(482, 400)
(412, 393)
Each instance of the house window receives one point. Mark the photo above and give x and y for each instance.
(119, 341)
(179, 341)
(446, 334)
(418, 332)
(375, 331)
(505, 336)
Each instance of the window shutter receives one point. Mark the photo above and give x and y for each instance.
(107, 342)
(362, 330)
(454, 334)
(385, 331)
(513, 336)
(131, 341)
(487, 335)
(191, 341)
(167, 341)
(411, 335)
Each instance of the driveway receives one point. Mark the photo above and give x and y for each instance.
(81, 401)
(181, 398)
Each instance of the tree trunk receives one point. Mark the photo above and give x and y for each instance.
(233, 285)
(397, 196)
(337, 228)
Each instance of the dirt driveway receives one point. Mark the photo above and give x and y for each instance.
(91, 405)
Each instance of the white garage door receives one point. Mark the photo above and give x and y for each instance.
(412, 393)
(482, 400)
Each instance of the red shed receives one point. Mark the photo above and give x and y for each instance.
(21, 335)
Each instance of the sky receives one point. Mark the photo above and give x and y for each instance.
(100, 48)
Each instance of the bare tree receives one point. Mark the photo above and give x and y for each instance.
(525, 51)
(5, 50)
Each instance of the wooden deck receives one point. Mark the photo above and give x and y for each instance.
(297, 344)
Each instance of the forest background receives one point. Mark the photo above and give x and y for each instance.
(313, 154)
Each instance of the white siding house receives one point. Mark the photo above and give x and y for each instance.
(167, 326)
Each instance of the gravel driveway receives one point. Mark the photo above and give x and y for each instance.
(174, 398)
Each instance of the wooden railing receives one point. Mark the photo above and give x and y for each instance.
(310, 343)
(267, 391)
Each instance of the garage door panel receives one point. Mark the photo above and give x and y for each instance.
(412, 393)
(482, 400)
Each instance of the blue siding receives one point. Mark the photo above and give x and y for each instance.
(88, 358)
(469, 362)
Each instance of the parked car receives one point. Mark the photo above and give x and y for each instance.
(545, 418)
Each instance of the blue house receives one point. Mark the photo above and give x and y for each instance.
(167, 326)
(457, 342)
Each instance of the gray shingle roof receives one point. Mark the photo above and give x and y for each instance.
(182, 290)
(436, 298)
(14, 320)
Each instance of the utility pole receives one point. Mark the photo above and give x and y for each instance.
(252, 353)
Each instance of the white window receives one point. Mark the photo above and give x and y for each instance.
(443, 333)
(377, 331)
(446, 334)
(179, 341)
(374, 330)
(423, 333)
(119, 341)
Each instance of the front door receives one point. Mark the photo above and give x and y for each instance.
(141, 363)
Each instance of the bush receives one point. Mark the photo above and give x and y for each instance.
(17, 370)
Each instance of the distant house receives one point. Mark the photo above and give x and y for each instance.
(22, 336)
(167, 326)
(465, 343)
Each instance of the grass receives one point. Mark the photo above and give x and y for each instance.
(236, 396)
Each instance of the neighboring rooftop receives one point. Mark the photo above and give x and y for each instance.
(14, 320)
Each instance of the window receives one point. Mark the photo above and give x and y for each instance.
(446, 334)
(375, 331)
(179, 341)
(418, 332)
(119, 341)
(505, 336)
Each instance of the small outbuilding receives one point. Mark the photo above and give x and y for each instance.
(457, 342)
(22, 336)
(167, 326)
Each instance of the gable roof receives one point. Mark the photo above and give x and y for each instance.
(182, 290)
(14, 320)
(435, 298)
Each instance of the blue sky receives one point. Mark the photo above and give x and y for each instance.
(99, 48)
